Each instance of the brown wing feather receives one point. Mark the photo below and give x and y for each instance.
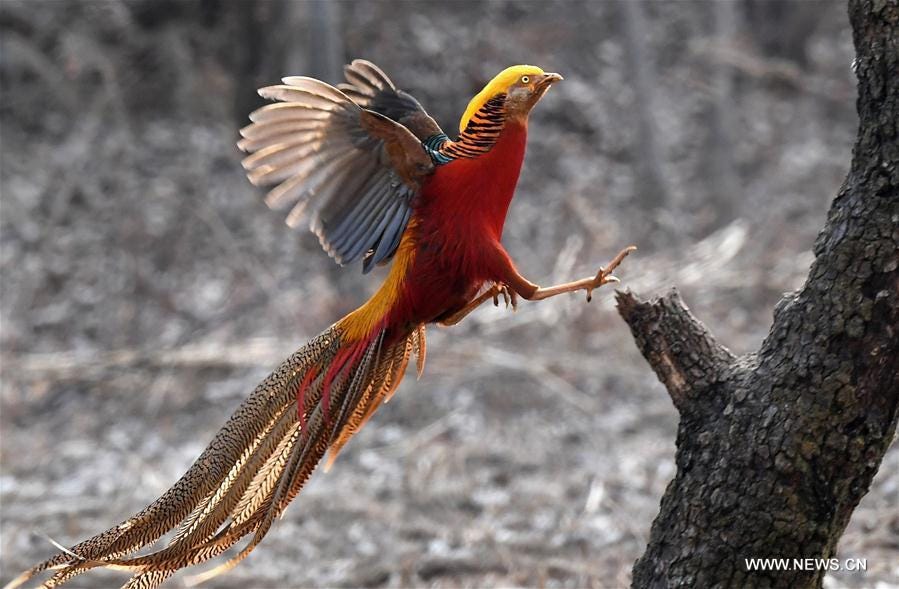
(330, 161)
(369, 87)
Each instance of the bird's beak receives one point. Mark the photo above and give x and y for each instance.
(547, 80)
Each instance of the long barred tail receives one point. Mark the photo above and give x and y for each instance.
(256, 464)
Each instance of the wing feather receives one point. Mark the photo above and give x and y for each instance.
(379, 223)
(341, 194)
(275, 172)
(309, 97)
(306, 185)
(385, 244)
(283, 135)
(275, 128)
(355, 220)
(394, 243)
(358, 237)
(353, 171)
(288, 110)
(370, 88)
(316, 86)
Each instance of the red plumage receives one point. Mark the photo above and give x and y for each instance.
(459, 219)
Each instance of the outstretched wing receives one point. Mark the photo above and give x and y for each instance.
(369, 87)
(353, 170)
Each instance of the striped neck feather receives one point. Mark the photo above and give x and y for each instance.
(481, 132)
(479, 136)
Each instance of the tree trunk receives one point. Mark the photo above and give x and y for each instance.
(776, 448)
(651, 183)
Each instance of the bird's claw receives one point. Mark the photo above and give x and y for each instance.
(510, 298)
(604, 276)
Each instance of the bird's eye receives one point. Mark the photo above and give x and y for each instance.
(525, 79)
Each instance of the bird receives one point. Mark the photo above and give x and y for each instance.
(378, 182)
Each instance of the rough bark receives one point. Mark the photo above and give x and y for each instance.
(776, 448)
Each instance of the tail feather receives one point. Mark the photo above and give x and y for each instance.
(148, 580)
(420, 349)
(256, 464)
(387, 373)
(203, 521)
(399, 369)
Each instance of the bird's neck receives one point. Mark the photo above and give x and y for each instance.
(477, 138)
(480, 188)
(499, 170)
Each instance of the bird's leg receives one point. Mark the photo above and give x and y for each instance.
(604, 276)
(518, 285)
(493, 292)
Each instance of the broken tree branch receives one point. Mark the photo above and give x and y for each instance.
(682, 352)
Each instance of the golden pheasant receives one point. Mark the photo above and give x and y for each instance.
(379, 181)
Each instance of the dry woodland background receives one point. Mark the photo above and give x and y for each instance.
(146, 289)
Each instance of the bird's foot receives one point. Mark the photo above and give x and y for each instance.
(494, 292)
(604, 276)
(510, 297)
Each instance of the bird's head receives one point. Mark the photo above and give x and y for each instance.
(523, 86)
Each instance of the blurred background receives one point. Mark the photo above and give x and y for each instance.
(146, 289)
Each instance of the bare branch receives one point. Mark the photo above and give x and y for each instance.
(679, 348)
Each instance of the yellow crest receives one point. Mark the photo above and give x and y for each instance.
(497, 85)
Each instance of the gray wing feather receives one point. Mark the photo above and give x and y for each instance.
(389, 239)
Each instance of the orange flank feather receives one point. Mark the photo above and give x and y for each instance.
(372, 315)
